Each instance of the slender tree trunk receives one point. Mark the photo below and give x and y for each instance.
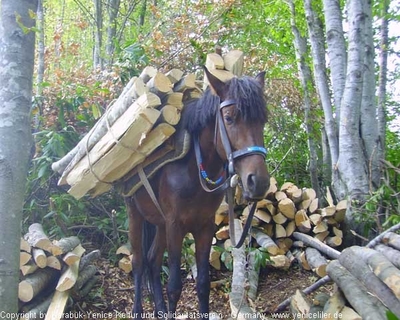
(40, 49)
(17, 43)
(113, 9)
(142, 13)
(98, 38)
(300, 45)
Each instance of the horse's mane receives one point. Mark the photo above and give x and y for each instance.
(247, 92)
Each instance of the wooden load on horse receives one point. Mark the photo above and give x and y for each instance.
(137, 132)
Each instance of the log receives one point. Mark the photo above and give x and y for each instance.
(88, 258)
(84, 275)
(159, 84)
(302, 221)
(316, 261)
(300, 305)
(313, 205)
(173, 99)
(128, 130)
(284, 244)
(280, 195)
(65, 164)
(35, 283)
(87, 287)
(254, 271)
(264, 241)
(263, 215)
(53, 262)
(349, 314)
(334, 241)
(28, 269)
(69, 277)
(290, 228)
(125, 249)
(222, 233)
(328, 211)
(340, 213)
(321, 236)
(233, 62)
(39, 257)
(37, 311)
(65, 245)
(321, 226)
(379, 238)
(174, 75)
(147, 73)
(322, 247)
(360, 270)
(279, 218)
(24, 246)
(280, 262)
(74, 256)
(315, 218)
(57, 305)
(286, 206)
(280, 231)
(37, 238)
(214, 61)
(392, 239)
(368, 306)
(214, 258)
(187, 82)
(334, 306)
(170, 114)
(24, 258)
(391, 254)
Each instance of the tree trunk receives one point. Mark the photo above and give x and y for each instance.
(98, 37)
(17, 43)
(113, 9)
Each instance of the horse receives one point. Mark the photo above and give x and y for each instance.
(226, 128)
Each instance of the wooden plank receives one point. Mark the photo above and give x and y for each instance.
(57, 305)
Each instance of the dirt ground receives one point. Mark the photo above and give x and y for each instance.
(112, 297)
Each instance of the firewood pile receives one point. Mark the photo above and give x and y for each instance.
(140, 121)
(53, 273)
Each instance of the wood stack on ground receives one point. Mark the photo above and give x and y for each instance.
(53, 272)
(367, 281)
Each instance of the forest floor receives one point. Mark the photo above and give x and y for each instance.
(112, 297)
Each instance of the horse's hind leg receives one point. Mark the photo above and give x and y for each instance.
(135, 237)
(155, 259)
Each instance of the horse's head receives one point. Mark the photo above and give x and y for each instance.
(240, 120)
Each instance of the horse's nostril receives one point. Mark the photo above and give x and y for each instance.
(251, 181)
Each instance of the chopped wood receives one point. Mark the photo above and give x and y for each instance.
(334, 241)
(139, 88)
(273, 188)
(337, 232)
(57, 305)
(265, 241)
(222, 75)
(315, 218)
(280, 195)
(349, 314)
(69, 277)
(214, 61)
(234, 61)
(279, 218)
(84, 275)
(316, 261)
(187, 82)
(300, 305)
(53, 262)
(34, 283)
(302, 221)
(295, 194)
(37, 238)
(341, 208)
(290, 228)
(305, 204)
(328, 211)
(268, 229)
(368, 306)
(88, 258)
(280, 262)
(24, 258)
(74, 255)
(28, 269)
(65, 245)
(263, 215)
(309, 193)
(280, 231)
(148, 73)
(328, 197)
(334, 306)
(287, 207)
(322, 236)
(38, 310)
(301, 259)
(391, 254)
(173, 99)
(125, 264)
(350, 259)
(39, 257)
(284, 244)
(174, 75)
(322, 247)
(170, 114)
(125, 249)
(392, 239)
(214, 258)
(313, 205)
(286, 185)
(321, 226)
(222, 233)
(24, 246)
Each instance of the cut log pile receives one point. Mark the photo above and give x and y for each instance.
(53, 272)
(367, 281)
(140, 121)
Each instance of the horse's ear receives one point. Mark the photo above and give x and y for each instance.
(260, 78)
(217, 86)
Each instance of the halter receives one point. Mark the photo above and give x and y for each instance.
(230, 174)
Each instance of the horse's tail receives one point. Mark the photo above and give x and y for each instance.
(149, 233)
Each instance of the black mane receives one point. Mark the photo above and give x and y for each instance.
(246, 91)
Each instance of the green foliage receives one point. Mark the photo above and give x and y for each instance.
(132, 59)
(391, 316)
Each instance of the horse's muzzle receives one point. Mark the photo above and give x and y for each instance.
(255, 186)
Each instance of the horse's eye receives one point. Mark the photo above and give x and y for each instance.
(228, 119)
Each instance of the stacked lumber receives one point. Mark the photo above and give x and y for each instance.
(53, 272)
(367, 281)
(281, 221)
(141, 120)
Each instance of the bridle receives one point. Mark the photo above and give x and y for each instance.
(231, 177)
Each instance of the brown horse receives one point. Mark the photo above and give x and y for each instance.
(226, 126)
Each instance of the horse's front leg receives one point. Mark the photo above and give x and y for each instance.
(203, 240)
(174, 247)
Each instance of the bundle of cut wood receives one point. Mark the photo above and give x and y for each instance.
(367, 281)
(140, 121)
(53, 272)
